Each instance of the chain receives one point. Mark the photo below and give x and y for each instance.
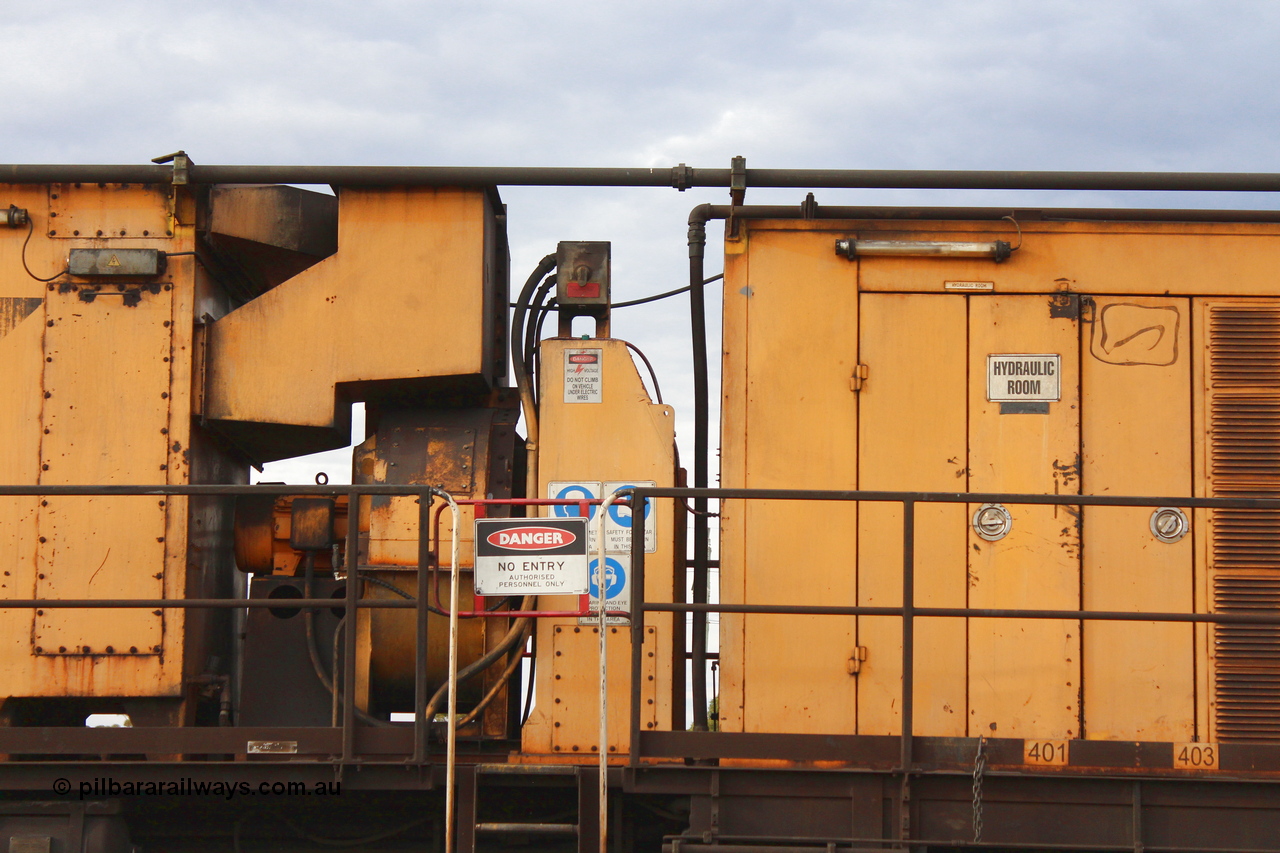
(979, 767)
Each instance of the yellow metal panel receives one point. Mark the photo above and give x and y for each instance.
(20, 401)
(402, 297)
(109, 211)
(575, 688)
(1024, 675)
(912, 430)
(1152, 258)
(733, 468)
(623, 438)
(106, 419)
(107, 386)
(1136, 433)
(800, 420)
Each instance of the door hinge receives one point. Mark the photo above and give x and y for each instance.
(856, 659)
(859, 376)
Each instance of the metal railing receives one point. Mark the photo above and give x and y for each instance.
(908, 611)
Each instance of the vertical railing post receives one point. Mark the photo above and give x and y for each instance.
(637, 624)
(420, 639)
(602, 592)
(908, 658)
(349, 645)
(451, 745)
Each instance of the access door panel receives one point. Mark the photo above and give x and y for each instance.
(912, 431)
(106, 420)
(1024, 674)
(1136, 433)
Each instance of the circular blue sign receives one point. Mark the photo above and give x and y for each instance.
(615, 578)
(572, 493)
(622, 514)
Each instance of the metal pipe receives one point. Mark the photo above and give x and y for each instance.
(420, 721)
(908, 631)
(908, 665)
(602, 591)
(701, 450)
(680, 177)
(353, 623)
(451, 745)
(873, 496)
(676, 492)
(972, 613)
(637, 633)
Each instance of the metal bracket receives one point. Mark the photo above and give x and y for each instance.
(738, 181)
(855, 660)
(181, 166)
(809, 208)
(859, 377)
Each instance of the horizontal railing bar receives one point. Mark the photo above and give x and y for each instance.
(962, 612)
(655, 492)
(646, 492)
(275, 489)
(229, 603)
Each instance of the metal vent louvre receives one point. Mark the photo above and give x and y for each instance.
(1244, 461)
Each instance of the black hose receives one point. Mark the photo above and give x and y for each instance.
(701, 429)
(308, 620)
(514, 634)
(544, 266)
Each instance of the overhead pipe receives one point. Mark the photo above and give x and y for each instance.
(680, 177)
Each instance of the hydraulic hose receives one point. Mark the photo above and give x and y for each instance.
(513, 636)
(544, 267)
(308, 619)
(701, 428)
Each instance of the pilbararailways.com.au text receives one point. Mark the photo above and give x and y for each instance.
(188, 787)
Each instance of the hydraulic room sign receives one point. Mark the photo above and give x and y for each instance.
(541, 556)
(1024, 378)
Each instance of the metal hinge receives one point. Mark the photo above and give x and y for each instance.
(859, 376)
(856, 659)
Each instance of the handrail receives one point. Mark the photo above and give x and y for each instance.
(908, 611)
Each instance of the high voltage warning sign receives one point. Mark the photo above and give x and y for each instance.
(541, 556)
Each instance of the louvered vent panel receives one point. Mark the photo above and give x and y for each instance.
(1244, 461)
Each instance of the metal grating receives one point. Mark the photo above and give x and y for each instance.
(1244, 461)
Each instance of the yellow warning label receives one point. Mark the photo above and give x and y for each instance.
(114, 262)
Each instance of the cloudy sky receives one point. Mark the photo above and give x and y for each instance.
(980, 84)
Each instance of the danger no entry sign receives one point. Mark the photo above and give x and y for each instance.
(531, 556)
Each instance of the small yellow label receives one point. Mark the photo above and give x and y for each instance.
(1051, 752)
(114, 262)
(1195, 756)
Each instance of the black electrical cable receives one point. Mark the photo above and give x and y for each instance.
(30, 230)
(657, 296)
(653, 374)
